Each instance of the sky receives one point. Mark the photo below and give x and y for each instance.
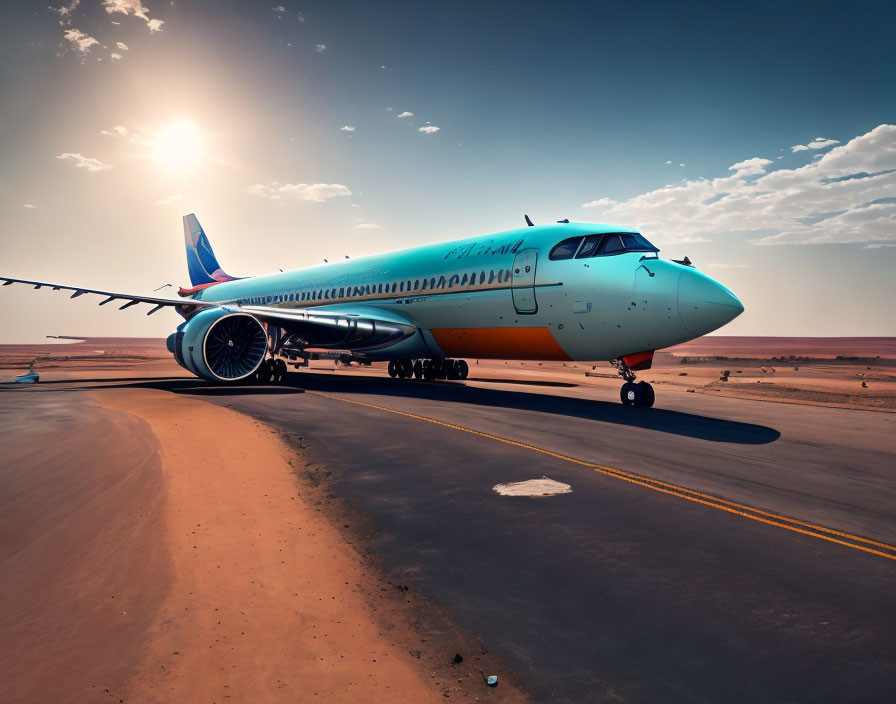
(758, 139)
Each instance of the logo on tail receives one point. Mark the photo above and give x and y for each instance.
(201, 260)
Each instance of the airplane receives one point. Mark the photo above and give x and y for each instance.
(565, 291)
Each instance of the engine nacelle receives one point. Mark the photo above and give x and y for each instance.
(219, 344)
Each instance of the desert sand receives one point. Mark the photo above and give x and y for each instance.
(169, 550)
(824, 371)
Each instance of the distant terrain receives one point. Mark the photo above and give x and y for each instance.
(827, 371)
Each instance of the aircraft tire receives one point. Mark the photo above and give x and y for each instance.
(463, 369)
(279, 371)
(264, 372)
(441, 368)
(428, 373)
(630, 394)
(393, 368)
(647, 394)
(418, 369)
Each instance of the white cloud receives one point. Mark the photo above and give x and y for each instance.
(867, 246)
(122, 46)
(367, 226)
(320, 47)
(117, 131)
(682, 164)
(279, 9)
(135, 8)
(66, 11)
(599, 203)
(317, 192)
(83, 162)
(168, 200)
(114, 57)
(847, 195)
(347, 128)
(429, 129)
(817, 143)
(29, 206)
(404, 114)
(668, 162)
(750, 167)
(126, 7)
(82, 41)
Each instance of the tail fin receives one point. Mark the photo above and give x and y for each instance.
(201, 260)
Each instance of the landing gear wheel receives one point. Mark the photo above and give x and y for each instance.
(647, 395)
(407, 369)
(428, 372)
(265, 372)
(451, 368)
(393, 368)
(441, 368)
(463, 369)
(631, 394)
(418, 369)
(279, 371)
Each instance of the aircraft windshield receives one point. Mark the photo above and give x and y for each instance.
(620, 242)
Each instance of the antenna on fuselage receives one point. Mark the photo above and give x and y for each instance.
(564, 220)
(528, 221)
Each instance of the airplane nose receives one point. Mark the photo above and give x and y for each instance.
(704, 304)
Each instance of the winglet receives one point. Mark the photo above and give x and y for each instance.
(201, 260)
(528, 221)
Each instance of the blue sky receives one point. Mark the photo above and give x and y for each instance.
(236, 110)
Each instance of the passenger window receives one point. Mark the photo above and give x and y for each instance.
(566, 249)
(589, 247)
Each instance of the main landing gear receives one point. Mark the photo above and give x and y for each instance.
(429, 369)
(270, 370)
(636, 394)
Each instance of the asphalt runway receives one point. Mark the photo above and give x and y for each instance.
(711, 550)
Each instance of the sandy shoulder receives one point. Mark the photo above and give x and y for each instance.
(266, 602)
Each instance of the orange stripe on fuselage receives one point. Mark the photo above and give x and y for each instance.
(499, 343)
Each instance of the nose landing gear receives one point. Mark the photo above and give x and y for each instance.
(636, 394)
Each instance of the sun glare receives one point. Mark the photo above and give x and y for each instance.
(178, 147)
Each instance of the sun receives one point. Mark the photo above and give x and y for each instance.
(178, 147)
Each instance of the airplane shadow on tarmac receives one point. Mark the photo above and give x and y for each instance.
(658, 419)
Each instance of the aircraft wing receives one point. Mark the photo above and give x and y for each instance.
(185, 305)
(330, 330)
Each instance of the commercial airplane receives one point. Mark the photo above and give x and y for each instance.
(565, 291)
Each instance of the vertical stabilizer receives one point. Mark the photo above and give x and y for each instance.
(201, 260)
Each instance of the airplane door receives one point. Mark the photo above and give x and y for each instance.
(523, 282)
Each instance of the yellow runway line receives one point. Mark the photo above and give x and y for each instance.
(760, 515)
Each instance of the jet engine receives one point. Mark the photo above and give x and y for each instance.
(219, 344)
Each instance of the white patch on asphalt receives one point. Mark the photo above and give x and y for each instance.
(533, 487)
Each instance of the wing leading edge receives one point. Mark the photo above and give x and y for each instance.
(185, 307)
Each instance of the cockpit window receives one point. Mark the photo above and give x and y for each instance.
(601, 245)
(566, 249)
(620, 242)
(589, 246)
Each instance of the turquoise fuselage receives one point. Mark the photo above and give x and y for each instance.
(461, 295)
